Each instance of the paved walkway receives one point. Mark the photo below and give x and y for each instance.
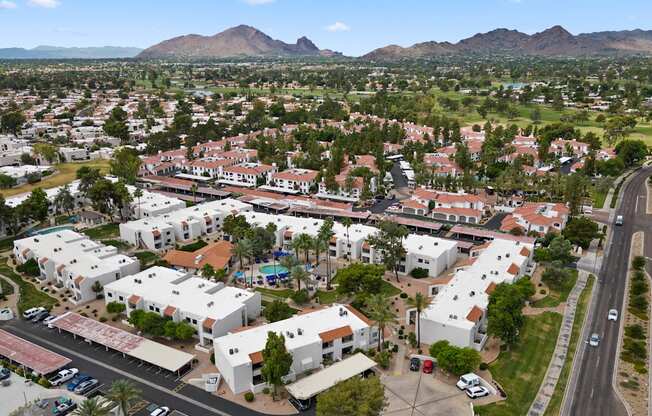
(547, 388)
(12, 300)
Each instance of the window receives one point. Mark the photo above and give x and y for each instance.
(420, 260)
(157, 309)
(109, 294)
(194, 321)
(121, 298)
(348, 338)
(326, 345)
(151, 308)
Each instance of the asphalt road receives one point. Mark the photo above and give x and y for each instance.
(158, 387)
(591, 387)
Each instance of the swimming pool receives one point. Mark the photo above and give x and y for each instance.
(269, 269)
(52, 230)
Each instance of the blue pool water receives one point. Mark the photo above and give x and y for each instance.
(269, 269)
(52, 230)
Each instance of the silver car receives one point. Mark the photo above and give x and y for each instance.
(594, 341)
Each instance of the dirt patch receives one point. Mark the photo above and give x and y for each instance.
(633, 386)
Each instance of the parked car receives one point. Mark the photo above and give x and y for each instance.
(86, 386)
(468, 380)
(49, 319)
(428, 366)
(32, 312)
(79, 378)
(300, 405)
(4, 373)
(63, 406)
(39, 317)
(613, 315)
(415, 364)
(477, 391)
(63, 376)
(161, 411)
(594, 341)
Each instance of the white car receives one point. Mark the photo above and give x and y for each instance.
(613, 315)
(32, 312)
(477, 391)
(63, 376)
(594, 341)
(49, 319)
(161, 411)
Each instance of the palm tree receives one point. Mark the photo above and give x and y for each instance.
(303, 242)
(325, 233)
(124, 393)
(318, 245)
(241, 249)
(347, 223)
(138, 193)
(380, 310)
(299, 274)
(92, 407)
(418, 302)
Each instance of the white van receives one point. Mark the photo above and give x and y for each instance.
(32, 312)
(619, 220)
(468, 380)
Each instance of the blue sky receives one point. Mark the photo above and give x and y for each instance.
(350, 26)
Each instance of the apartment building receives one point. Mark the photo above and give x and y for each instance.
(247, 174)
(213, 309)
(326, 334)
(292, 181)
(73, 261)
(539, 217)
(152, 204)
(448, 206)
(185, 224)
(421, 251)
(349, 189)
(458, 311)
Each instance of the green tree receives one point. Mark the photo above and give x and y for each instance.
(125, 164)
(580, 231)
(125, 393)
(12, 122)
(504, 311)
(47, 151)
(241, 249)
(235, 226)
(36, 205)
(353, 397)
(631, 152)
(277, 361)
(299, 274)
(277, 311)
(360, 278)
(418, 302)
(64, 201)
(454, 359)
(575, 191)
(389, 242)
(380, 310)
(208, 271)
(116, 126)
(324, 235)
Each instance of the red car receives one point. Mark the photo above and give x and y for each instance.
(428, 366)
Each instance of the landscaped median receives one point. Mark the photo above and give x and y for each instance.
(521, 369)
(633, 362)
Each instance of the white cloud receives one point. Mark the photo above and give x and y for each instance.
(48, 4)
(258, 2)
(338, 27)
(6, 4)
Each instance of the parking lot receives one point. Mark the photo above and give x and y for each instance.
(158, 386)
(417, 393)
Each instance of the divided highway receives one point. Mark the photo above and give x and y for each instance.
(591, 391)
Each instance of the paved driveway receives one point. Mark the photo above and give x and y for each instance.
(421, 394)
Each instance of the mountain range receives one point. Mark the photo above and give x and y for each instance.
(555, 41)
(237, 41)
(54, 52)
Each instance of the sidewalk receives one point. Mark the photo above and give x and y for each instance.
(549, 383)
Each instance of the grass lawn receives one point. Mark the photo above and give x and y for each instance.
(389, 289)
(521, 369)
(277, 293)
(598, 198)
(119, 244)
(7, 289)
(30, 295)
(557, 294)
(327, 297)
(194, 246)
(103, 231)
(146, 258)
(558, 395)
(67, 173)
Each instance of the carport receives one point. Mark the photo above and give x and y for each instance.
(323, 380)
(128, 344)
(30, 356)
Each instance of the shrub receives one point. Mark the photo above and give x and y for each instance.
(395, 348)
(419, 273)
(635, 331)
(484, 366)
(412, 339)
(115, 307)
(44, 382)
(266, 390)
(249, 396)
(383, 359)
(30, 268)
(103, 319)
(638, 263)
(403, 295)
(300, 296)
